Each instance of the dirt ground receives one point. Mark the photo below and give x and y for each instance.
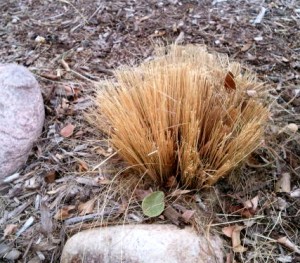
(66, 185)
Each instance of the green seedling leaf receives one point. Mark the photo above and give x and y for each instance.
(154, 204)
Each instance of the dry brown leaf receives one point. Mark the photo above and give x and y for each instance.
(68, 90)
(50, 177)
(229, 82)
(288, 244)
(72, 91)
(79, 134)
(10, 229)
(76, 91)
(82, 166)
(227, 231)
(252, 204)
(65, 65)
(87, 207)
(247, 209)
(64, 212)
(239, 249)
(246, 47)
(171, 214)
(187, 215)
(284, 183)
(67, 131)
(236, 240)
(247, 213)
(234, 233)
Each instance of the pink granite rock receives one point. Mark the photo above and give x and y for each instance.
(143, 244)
(21, 116)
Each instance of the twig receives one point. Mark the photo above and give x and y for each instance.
(101, 6)
(27, 224)
(81, 76)
(90, 217)
(82, 16)
(260, 16)
(27, 248)
(18, 210)
(11, 178)
(98, 165)
(106, 71)
(238, 221)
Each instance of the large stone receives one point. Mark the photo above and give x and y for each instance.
(21, 116)
(142, 244)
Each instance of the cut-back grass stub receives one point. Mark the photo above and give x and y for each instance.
(186, 113)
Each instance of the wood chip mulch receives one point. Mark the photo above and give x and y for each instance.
(68, 184)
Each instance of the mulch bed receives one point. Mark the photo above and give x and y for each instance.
(68, 183)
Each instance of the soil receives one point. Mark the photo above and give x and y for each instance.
(71, 46)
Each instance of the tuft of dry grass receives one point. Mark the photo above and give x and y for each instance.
(177, 115)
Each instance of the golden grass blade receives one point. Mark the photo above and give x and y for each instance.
(172, 116)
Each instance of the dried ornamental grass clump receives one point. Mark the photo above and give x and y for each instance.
(186, 113)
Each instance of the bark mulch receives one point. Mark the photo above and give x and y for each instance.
(69, 182)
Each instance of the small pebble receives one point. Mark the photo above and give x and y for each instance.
(40, 39)
(259, 38)
(292, 127)
(13, 255)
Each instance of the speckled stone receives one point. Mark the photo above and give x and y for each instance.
(21, 116)
(142, 244)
